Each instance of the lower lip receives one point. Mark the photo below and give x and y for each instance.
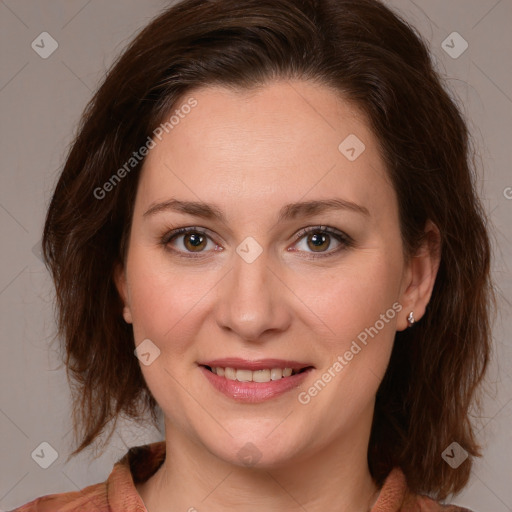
(254, 392)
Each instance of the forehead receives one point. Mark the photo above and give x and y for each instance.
(282, 141)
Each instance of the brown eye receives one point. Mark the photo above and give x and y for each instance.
(194, 242)
(188, 241)
(320, 240)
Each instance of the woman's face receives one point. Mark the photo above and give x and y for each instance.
(293, 260)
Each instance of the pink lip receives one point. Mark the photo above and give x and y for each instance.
(254, 392)
(260, 364)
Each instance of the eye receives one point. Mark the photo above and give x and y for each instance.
(194, 242)
(319, 239)
(189, 241)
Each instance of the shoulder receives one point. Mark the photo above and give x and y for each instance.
(117, 494)
(91, 498)
(395, 496)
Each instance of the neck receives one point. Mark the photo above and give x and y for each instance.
(193, 479)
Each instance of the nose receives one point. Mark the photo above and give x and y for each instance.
(252, 300)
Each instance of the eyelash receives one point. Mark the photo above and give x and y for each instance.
(343, 238)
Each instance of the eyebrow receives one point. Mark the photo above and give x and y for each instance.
(287, 212)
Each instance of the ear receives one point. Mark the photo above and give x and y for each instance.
(420, 276)
(122, 288)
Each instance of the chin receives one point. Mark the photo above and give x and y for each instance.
(256, 452)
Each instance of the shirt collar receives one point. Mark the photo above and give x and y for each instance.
(137, 465)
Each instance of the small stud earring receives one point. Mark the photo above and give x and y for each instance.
(410, 319)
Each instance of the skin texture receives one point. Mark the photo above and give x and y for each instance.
(250, 153)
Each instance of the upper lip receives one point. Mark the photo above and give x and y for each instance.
(258, 364)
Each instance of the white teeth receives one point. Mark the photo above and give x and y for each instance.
(276, 373)
(244, 375)
(240, 375)
(261, 376)
(229, 373)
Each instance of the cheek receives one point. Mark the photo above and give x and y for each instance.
(365, 321)
(163, 301)
(362, 315)
(164, 306)
(358, 307)
(351, 298)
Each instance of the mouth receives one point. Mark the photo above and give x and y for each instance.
(254, 381)
(263, 375)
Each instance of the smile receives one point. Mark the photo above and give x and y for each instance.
(254, 381)
(265, 375)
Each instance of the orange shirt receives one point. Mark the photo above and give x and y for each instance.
(118, 493)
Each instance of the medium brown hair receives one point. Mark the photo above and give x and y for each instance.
(373, 59)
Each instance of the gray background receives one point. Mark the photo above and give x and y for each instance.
(41, 101)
